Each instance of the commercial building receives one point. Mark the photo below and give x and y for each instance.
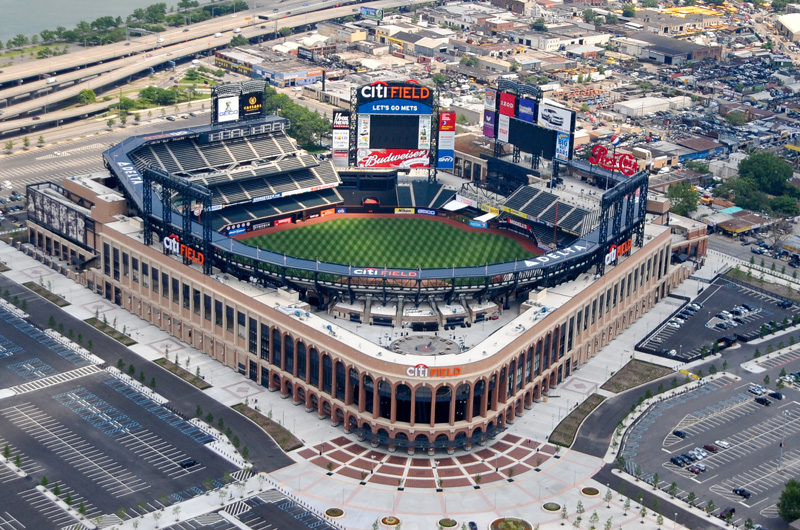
(789, 26)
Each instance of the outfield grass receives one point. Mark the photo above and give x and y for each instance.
(394, 242)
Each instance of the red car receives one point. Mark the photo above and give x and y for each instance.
(711, 448)
(694, 469)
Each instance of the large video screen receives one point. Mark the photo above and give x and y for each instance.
(399, 132)
(533, 139)
(57, 216)
(251, 105)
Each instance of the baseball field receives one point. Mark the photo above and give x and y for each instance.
(394, 242)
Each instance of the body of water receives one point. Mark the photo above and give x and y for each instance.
(17, 16)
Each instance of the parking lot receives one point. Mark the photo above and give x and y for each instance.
(684, 340)
(747, 437)
(104, 447)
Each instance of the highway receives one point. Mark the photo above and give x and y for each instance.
(199, 40)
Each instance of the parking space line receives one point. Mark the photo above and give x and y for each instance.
(73, 450)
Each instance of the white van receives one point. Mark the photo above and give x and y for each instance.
(237, 30)
(217, 35)
(52, 81)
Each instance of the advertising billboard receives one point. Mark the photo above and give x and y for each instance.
(447, 140)
(490, 99)
(555, 118)
(489, 123)
(363, 131)
(227, 109)
(502, 127)
(527, 110)
(382, 97)
(340, 135)
(305, 53)
(562, 146)
(372, 13)
(424, 129)
(57, 216)
(506, 107)
(251, 105)
(404, 158)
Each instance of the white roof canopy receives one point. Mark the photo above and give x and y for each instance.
(485, 217)
(454, 206)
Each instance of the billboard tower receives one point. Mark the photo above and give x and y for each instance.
(237, 102)
(394, 125)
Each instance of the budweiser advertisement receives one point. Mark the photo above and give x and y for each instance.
(404, 158)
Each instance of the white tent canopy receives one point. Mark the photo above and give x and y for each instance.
(454, 206)
(485, 217)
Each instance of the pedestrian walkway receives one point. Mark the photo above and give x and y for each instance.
(476, 485)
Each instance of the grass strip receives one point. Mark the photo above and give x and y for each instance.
(285, 439)
(44, 293)
(110, 331)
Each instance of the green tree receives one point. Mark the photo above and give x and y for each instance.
(239, 40)
(589, 16)
(9, 145)
(26, 142)
(611, 18)
(285, 32)
(110, 123)
(86, 96)
(40, 141)
(439, 78)
(683, 198)
(710, 506)
(462, 119)
(539, 25)
(469, 60)
(768, 170)
(691, 498)
(628, 11)
(736, 117)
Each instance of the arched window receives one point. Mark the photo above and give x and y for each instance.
(369, 389)
(510, 386)
(314, 368)
(276, 347)
(385, 399)
(480, 388)
(288, 353)
(327, 373)
(403, 397)
(301, 360)
(462, 397)
(422, 410)
(340, 375)
(355, 384)
(444, 394)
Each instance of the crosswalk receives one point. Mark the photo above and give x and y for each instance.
(69, 152)
(237, 508)
(52, 170)
(52, 380)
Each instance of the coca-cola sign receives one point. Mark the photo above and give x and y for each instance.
(405, 158)
(624, 163)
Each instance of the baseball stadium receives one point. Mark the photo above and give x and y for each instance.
(412, 313)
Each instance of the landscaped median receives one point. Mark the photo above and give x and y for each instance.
(565, 432)
(183, 374)
(110, 331)
(47, 295)
(285, 439)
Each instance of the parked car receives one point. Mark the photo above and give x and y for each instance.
(678, 461)
(776, 395)
(763, 401)
(679, 433)
(741, 492)
(757, 390)
(729, 511)
(693, 469)
(701, 467)
(711, 448)
(189, 462)
(786, 304)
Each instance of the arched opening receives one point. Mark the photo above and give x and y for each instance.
(314, 402)
(340, 380)
(276, 347)
(443, 396)
(422, 405)
(288, 353)
(314, 368)
(301, 360)
(327, 374)
(441, 441)
(355, 384)
(403, 403)
(401, 439)
(480, 388)
(462, 399)
(385, 399)
(369, 389)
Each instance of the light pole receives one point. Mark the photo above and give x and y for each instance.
(675, 521)
(783, 437)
